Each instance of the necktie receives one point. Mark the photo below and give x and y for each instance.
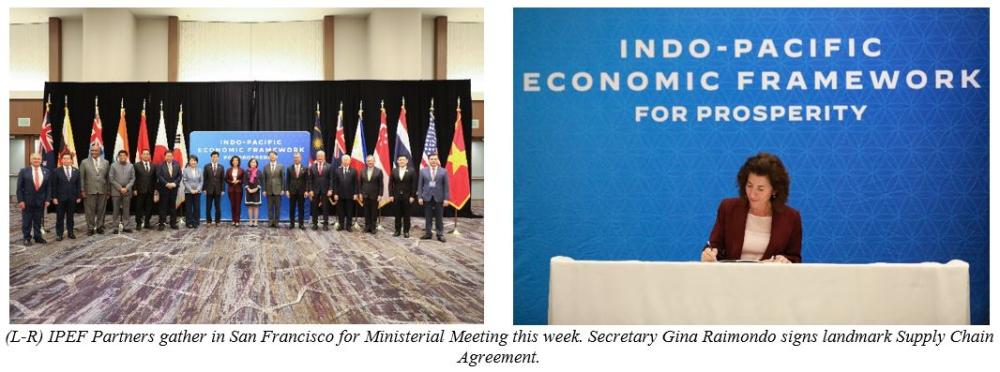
(296, 171)
(170, 170)
(214, 168)
(97, 166)
(68, 173)
(321, 170)
(38, 182)
(402, 172)
(272, 168)
(434, 172)
(147, 166)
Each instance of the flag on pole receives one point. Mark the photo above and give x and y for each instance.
(430, 142)
(317, 140)
(68, 145)
(180, 150)
(458, 166)
(402, 136)
(340, 147)
(96, 131)
(161, 140)
(45, 147)
(358, 149)
(143, 140)
(121, 140)
(382, 156)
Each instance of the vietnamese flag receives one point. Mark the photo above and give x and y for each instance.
(161, 140)
(143, 140)
(458, 167)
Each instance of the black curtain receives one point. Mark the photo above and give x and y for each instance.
(270, 105)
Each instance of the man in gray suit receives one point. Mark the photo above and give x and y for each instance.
(432, 192)
(122, 177)
(94, 171)
(274, 186)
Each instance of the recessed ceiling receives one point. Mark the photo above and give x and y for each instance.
(36, 15)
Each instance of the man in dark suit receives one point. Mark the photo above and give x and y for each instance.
(298, 182)
(33, 191)
(213, 188)
(169, 176)
(345, 192)
(65, 196)
(320, 192)
(371, 192)
(274, 187)
(402, 189)
(145, 185)
(432, 189)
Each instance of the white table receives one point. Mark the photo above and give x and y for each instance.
(634, 292)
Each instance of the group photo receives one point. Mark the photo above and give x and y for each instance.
(257, 166)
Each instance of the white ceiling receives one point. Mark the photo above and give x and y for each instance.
(36, 15)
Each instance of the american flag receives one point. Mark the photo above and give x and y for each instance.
(430, 142)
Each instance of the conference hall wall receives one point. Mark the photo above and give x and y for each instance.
(604, 169)
(254, 106)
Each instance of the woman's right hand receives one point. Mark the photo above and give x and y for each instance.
(709, 255)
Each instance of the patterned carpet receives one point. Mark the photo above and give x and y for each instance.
(248, 275)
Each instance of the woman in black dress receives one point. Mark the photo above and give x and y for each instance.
(253, 176)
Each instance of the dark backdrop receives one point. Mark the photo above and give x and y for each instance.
(259, 105)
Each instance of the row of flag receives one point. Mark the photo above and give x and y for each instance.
(457, 165)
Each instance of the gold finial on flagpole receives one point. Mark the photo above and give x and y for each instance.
(382, 104)
(404, 101)
(49, 101)
(143, 104)
(459, 107)
(317, 107)
(182, 107)
(123, 103)
(361, 105)
(341, 105)
(95, 101)
(432, 104)
(161, 105)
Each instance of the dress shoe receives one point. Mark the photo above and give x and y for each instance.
(395, 233)
(315, 227)
(27, 242)
(90, 233)
(160, 228)
(72, 235)
(100, 230)
(406, 235)
(291, 227)
(41, 241)
(138, 227)
(302, 227)
(326, 227)
(58, 238)
(127, 230)
(174, 227)
(115, 231)
(441, 239)
(426, 237)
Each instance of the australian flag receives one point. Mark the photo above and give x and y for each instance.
(45, 147)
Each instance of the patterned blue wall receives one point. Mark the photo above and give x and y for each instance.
(908, 183)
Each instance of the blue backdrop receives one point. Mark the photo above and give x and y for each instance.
(247, 145)
(907, 183)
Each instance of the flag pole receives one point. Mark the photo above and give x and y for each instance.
(361, 200)
(455, 231)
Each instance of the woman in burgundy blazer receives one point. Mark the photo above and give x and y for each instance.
(764, 185)
(234, 188)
